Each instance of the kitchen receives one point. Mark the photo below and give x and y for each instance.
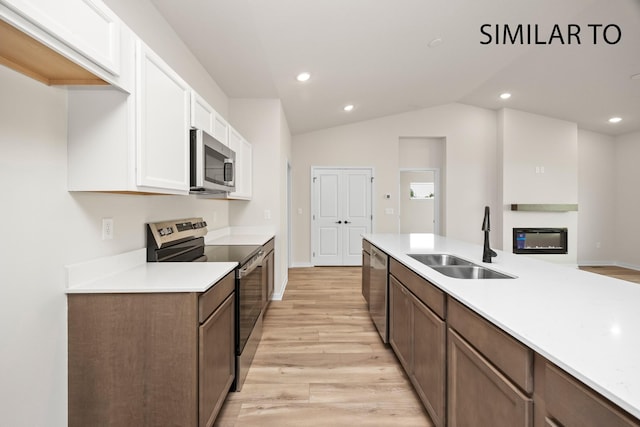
(34, 139)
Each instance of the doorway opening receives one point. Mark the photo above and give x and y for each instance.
(419, 199)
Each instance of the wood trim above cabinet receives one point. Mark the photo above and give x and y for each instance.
(26, 55)
(512, 357)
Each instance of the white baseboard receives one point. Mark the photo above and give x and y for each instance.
(301, 265)
(630, 266)
(277, 296)
(609, 264)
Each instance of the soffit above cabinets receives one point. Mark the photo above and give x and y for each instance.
(28, 56)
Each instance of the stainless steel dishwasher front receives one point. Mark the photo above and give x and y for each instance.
(379, 292)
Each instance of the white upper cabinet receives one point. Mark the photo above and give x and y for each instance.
(87, 26)
(120, 142)
(162, 123)
(244, 165)
(204, 117)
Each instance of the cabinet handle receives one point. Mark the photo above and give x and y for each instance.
(347, 222)
(338, 222)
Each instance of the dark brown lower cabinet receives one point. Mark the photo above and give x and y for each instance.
(566, 402)
(400, 327)
(216, 367)
(430, 360)
(418, 337)
(150, 359)
(479, 395)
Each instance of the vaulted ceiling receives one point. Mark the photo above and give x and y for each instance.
(391, 56)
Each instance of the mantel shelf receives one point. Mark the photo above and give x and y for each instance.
(544, 207)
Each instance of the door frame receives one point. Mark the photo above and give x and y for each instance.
(313, 201)
(437, 199)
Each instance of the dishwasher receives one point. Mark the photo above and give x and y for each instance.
(379, 292)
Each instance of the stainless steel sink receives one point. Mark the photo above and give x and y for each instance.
(439, 259)
(470, 272)
(458, 268)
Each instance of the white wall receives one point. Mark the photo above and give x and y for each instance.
(262, 122)
(628, 200)
(596, 198)
(33, 184)
(470, 177)
(529, 143)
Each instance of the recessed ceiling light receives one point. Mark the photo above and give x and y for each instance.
(348, 107)
(505, 95)
(435, 42)
(303, 77)
(615, 119)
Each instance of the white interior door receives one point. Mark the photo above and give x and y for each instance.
(341, 214)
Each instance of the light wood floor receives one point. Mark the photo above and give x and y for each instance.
(617, 272)
(321, 362)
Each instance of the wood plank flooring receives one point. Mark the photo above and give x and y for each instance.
(321, 362)
(614, 271)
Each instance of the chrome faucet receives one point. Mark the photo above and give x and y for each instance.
(487, 253)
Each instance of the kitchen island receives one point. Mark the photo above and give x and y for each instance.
(582, 323)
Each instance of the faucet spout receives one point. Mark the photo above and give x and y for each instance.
(487, 252)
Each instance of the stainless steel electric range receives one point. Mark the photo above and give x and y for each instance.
(183, 241)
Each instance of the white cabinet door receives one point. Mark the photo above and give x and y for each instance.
(162, 123)
(244, 164)
(88, 26)
(220, 129)
(202, 114)
(204, 117)
(341, 214)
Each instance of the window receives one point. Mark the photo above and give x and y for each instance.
(421, 190)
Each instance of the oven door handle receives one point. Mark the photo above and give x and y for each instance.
(250, 266)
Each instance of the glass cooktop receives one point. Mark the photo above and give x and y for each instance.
(230, 253)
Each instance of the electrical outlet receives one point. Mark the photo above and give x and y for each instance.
(107, 228)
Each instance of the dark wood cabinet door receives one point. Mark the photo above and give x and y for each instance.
(479, 395)
(571, 404)
(400, 326)
(429, 360)
(216, 361)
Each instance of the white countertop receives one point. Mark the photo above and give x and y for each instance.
(587, 324)
(160, 277)
(131, 273)
(239, 236)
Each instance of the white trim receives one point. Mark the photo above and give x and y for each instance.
(277, 296)
(301, 265)
(608, 264)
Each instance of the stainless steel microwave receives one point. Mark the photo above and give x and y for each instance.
(212, 165)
